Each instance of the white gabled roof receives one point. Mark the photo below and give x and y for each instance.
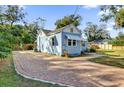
(51, 32)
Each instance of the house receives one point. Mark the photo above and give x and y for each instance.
(64, 40)
(103, 41)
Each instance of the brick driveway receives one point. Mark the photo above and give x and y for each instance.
(68, 71)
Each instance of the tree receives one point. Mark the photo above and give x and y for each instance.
(120, 36)
(2, 15)
(109, 12)
(33, 29)
(35, 26)
(94, 32)
(113, 13)
(71, 19)
(119, 21)
(26, 38)
(5, 45)
(10, 32)
(14, 14)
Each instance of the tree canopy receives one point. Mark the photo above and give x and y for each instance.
(71, 19)
(94, 32)
(11, 14)
(12, 32)
(120, 36)
(119, 21)
(113, 13)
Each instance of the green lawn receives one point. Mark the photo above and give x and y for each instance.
(111, 61)
(111, 58)
(112, 52)
(9, 78)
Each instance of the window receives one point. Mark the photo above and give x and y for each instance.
(53, 41)
(69, 42)
(72, 42)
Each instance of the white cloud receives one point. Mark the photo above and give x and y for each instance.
(111, 23)
(102, 12)
(109, 28)
(90, 6)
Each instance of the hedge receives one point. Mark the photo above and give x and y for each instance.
(116, 43)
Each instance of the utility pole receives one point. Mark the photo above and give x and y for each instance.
(76, 10)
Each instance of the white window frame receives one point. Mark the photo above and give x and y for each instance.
(75, 43)
(68, 42)
(72, 43)
(53, 40)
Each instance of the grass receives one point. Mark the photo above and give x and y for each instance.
(111, 58)
(118, 53)
(111, 61)
(9, 77)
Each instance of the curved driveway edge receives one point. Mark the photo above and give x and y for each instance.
(33, 78)
(66, 71)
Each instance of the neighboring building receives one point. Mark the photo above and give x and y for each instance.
(64, 40)
(103, 41)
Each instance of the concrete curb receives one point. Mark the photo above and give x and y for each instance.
(36, 79)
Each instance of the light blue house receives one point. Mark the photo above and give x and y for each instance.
(67, 39)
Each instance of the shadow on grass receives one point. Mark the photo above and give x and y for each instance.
(110, 61)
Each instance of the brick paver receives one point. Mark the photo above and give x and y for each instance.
(68, 71)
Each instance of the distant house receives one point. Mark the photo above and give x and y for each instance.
(103, 41)
(64, 40)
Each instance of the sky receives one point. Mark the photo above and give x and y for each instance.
(51, 13)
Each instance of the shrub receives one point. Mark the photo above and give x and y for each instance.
(66, 53)
(117, 43)
(4, 48)
(16, 47)
(28, 46)
(95, 46)
(92, 50)
(3, 54)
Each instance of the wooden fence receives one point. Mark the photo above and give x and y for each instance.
(110, 47)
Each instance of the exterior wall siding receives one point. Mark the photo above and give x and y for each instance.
(44, 44)
(68, 29)
(71, 50)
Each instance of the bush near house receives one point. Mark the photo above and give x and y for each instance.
(16, 47)
(23, 47)
(28, 46)
(4, 48)
(92, 50)
(94, 46)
